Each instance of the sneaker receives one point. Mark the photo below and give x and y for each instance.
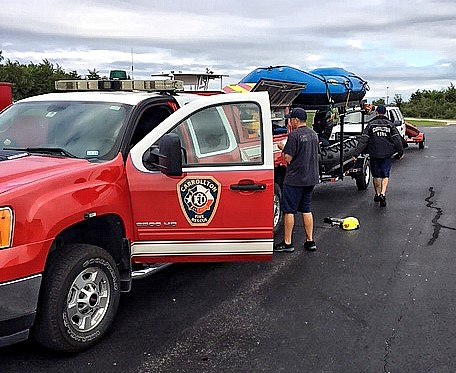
(310, 245)
(289, 248)
(382, 199)
(376, 198)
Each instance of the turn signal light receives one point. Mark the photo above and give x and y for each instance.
(6, 227)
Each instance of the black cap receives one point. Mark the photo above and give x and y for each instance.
(297, 112)
(381, 109)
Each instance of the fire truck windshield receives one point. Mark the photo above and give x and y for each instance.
(79, 129)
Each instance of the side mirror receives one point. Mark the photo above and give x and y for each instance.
(167, 157)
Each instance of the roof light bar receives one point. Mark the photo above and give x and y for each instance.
(119, 85)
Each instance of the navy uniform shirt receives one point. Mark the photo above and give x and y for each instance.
(381, 139)
(302, 145)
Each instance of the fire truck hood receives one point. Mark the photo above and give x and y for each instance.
(21, 168)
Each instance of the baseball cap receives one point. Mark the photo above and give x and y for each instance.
(381, 109)
(297, 112)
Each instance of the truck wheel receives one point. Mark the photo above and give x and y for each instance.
(79, 298)
(277, 208)
(362, 181)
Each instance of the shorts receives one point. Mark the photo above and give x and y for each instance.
(296, 199)
(380, 167)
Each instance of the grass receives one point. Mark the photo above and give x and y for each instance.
(429, 122)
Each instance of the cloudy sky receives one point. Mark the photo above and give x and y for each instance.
(403, 45)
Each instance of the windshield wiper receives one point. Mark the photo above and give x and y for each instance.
(46, 150)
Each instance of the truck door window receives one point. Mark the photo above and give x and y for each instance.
(212, 135)
(392, 116)
(149, 119)
(210, 131)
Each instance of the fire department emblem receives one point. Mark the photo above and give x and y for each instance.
(199, 198)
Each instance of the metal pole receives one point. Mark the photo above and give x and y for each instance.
(132, 64)
(341, 144)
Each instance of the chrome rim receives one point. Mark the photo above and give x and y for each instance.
(88, 299)
(276, 209)
(367, 174)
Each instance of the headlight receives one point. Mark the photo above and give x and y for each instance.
(6, 227)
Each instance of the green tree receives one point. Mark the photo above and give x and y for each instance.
(20, 77)
(450, 94)
(432, 104)
(380, 101)
(32, 79)
(43, 77)
(93, 75)
(72, 75)
(398, 101)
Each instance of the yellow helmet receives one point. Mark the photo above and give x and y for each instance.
(350, 223)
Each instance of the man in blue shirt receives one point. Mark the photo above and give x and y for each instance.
(302, 174)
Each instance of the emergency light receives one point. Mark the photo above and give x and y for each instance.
(119, 85)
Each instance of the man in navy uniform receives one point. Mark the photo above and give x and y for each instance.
(381, 139)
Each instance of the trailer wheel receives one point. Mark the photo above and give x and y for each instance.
(362, 181)
(404, 142)
(421, 144)
(79, 298)
(277, 208)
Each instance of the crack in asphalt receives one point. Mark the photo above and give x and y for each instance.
(392, 337)
(390, 340)
(435, 220)
(388, 345)
(437, 227)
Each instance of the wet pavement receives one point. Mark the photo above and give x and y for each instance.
(378, 299)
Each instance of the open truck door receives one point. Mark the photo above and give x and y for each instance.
(199, 190)
(281, 97)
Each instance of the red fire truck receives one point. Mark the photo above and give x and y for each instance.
(112, 180)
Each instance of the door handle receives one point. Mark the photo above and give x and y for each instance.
(247, 184)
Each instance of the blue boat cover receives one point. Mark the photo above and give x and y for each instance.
(324, 86)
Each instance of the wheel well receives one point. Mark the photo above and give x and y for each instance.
(105, 231)
(279, 175)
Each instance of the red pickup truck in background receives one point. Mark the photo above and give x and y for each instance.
(6, 95)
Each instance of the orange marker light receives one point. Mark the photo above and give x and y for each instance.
(6, 227)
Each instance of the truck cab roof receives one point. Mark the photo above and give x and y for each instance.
(122, 97)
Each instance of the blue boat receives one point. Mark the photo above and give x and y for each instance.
(330, 86)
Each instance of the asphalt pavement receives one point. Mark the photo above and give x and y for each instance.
(378, 299)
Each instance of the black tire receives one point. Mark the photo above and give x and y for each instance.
(277, 208)
(362, 181)
(421, 144)
(79, 298)
(404, 143)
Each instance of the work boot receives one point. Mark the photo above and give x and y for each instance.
(382, 199)
(283, 247)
